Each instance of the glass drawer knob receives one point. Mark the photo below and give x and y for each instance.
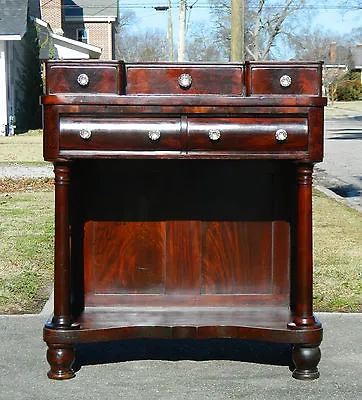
(83, 79)
(214, 134)
(285, 81)
(154, 134)
(281, 135)
(85, 133)
(185, 81)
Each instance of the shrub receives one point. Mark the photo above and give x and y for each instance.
(349, 87)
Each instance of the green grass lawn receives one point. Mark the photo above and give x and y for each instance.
(337, 256)
(26, 249)
(26, 148)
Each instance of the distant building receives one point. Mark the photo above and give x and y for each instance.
(357, 59)
(86, 21)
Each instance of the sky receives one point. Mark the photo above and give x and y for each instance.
(336, 21)
(331, 19)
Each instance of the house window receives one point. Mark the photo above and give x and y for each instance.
(82, 35)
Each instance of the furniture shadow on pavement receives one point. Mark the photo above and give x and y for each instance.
(182, 349)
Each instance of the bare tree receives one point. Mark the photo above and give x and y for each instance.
(124, 20)
(142, 47)
(266, 21)
(201, 46)
(315, 45)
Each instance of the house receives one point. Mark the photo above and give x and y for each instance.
(13, 26)
(357, 59)
(20, 72)
(85, 21)
(57, 46)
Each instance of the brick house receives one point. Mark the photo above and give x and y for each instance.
(88, 21)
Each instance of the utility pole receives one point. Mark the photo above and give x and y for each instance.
(170, 32)
(182, 31)
(237, 30)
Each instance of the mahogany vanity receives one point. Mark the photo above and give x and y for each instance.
(183, 203)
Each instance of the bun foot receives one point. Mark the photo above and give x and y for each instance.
(306, 359)
(60, 357)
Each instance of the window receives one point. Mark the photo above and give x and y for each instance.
(82, 35)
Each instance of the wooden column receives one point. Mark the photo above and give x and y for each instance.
(62, 273)
(303, 312)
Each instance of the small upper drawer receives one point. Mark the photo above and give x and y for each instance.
(185, 79)
(79, 77)
(246, 134)
(119, 134)
(284, 79)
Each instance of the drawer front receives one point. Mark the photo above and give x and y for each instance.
(283, 80)
(111, 134)
(84, 78)
(224, 80)
(248, 134)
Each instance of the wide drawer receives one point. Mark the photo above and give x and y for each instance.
(281, 79)
(184, 79)
(81, 133)
(84, 78)
(248, 134)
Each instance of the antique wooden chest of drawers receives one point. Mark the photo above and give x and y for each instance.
(183, 203)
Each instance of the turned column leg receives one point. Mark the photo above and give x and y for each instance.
(306, 359)
(303, 312)
(61, 356)
(62, 275)
(305, 356)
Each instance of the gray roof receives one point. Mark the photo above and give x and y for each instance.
(13, 17)
(90, 8)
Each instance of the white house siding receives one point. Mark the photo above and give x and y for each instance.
(3, 91)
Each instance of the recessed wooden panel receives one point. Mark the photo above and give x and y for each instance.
(281, 257)
(127, 257)
(183, 257)
(237, 257)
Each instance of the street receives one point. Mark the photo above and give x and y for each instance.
(341, 169)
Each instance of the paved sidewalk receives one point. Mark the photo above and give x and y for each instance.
(23, 367)
(28, 171)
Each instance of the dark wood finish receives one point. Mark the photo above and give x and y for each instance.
(248, 134)
(182, 236)
(62, 267)
(265, 79)
(206, 79)
(104, 77)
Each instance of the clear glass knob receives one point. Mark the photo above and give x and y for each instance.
(154, 134)
(185, 81)
(281, 135)
(285, 81)
(83, 79)
(214, 134)
(85, 133)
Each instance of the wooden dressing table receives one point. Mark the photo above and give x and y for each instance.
(183, 203)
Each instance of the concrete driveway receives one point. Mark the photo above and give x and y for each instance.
(341, 170)
(159, 370)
